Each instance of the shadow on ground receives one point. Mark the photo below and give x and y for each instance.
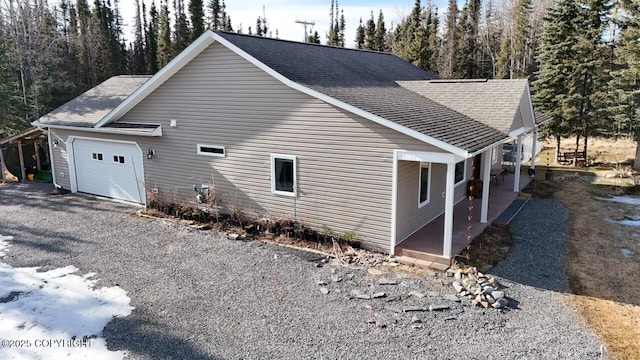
(150, 340)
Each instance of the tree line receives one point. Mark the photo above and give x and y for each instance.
(581, 56)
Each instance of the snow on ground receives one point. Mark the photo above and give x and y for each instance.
(622, 199)
(55, 314)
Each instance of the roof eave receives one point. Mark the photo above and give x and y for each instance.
(193, 50)
(157, 132)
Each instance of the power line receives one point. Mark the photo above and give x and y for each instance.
(305, 23)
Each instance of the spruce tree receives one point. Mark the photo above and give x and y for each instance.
(215, 14)
(450, 40)
(381, 33)
(624, 101)
(181, 35)
(165, 49)
(360, 36)
(571, 80)
(370, 35)
(151, 40)
(138, 55)
(196, 12)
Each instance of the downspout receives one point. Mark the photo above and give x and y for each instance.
(51, 159)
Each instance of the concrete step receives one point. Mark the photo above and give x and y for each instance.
(423, 264)
(422, 256)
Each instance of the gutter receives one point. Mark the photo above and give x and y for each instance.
(155, 133)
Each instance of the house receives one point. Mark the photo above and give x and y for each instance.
(352, 140)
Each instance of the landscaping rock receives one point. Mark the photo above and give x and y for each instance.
(417, 294)
(438, 307)
(414, 320)
(433, 294)
(391, 298)
(362, 296)
(385, 281)
(336, 278)
(378, 295)
(413, 308)
(476, 288)
(324, 290)
(393, 309)
(349, 276)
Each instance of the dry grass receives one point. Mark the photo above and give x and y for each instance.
(606, 151)
(605, 283)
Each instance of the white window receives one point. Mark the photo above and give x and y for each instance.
(118, 159)
(460, 169)
(425, 184)
(283, 175)
(211, 150)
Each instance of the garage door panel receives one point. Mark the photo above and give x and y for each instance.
(111, 169)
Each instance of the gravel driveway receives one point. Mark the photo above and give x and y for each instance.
(198, 295)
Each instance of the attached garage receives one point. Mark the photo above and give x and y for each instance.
(107, 168)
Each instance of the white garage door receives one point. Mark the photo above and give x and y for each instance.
(112, 169)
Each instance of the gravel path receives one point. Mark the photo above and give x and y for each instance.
(198, 295)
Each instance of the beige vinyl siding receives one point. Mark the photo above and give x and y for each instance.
(344, 162)
(411, 217)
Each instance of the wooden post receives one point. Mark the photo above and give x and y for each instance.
(37, 148)
(21, 156)
(2, 165)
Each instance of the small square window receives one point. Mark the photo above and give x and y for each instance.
(97, 156)
(283, 175)
(118, 159)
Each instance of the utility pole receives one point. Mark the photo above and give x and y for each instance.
(305, 23)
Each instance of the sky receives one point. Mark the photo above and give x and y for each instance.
(282, 14)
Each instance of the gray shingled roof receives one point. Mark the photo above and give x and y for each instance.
(90, 107)
(491, 102)
(368, 80)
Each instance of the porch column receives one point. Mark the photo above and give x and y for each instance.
(534, 143)
(21, 156)
(448, 210)
(516, 181)
(486, 184)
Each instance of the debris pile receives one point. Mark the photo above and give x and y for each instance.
(478, 289)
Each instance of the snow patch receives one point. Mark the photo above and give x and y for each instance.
(43, 309)
(622, 199)
(4, 244)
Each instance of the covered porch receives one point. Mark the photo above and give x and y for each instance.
(427, 244)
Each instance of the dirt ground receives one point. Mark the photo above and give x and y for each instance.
(599, 150)
(603, 280)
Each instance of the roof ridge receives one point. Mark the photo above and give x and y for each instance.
(304, 43)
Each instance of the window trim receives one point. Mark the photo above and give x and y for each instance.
(294, 193)
(464, 172)
(200, 152)
(428, 200)
(117, 158)
(494, 155)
